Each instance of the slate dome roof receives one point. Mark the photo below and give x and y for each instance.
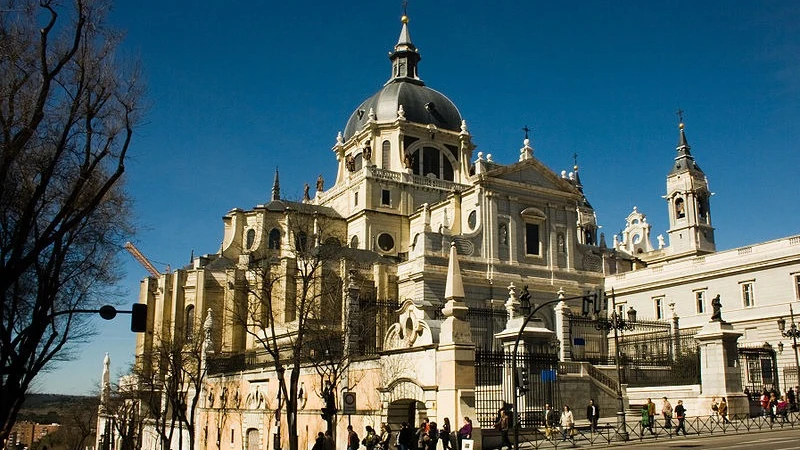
(421, 104)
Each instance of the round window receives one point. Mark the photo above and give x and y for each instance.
(472, 219)
(385, 242)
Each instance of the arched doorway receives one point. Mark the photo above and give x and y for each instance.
(406, 410)
(253, 439)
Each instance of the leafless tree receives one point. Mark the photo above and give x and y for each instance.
(171, 394)
(67, 115)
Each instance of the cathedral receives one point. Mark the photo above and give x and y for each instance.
(371, 300)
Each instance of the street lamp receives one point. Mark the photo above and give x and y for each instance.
(617, 323)
(792, 332)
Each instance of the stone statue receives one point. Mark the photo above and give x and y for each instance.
(306, 196)
(716, 306)
(320, 184)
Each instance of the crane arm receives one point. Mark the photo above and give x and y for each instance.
(142, 259)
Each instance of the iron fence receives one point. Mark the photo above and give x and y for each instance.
(759, 368)
(376, 316)
(608, 433)
(494, 385)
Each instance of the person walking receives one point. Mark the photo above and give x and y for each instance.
(790, 397)
(352, 438)
(646, 423)
(385, 437)
(666, 412)
(714, 409)
(502, 426)
(680, 413)
(444, 435)
(567, 423)
(370, 439)
(465, 432)
(328, 444)
(549, 420)
(651, 415)
(592, 415)
(405, 438)
(433, 436)
(723, 410)
(319, 443)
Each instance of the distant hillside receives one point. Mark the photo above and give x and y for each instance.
(51, 408)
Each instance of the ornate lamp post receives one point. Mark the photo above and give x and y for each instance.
(793, 333)
(617, 323)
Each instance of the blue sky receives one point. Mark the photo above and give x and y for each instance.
(239, 88)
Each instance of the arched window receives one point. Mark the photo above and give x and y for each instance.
(354, 242)
(274, 239)
(301, 241)
(251, 238)
(431, 162)
(189, 323)
(680, 208)
(386, 149)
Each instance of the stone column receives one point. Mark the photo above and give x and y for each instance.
(562, 331)
(719, 369)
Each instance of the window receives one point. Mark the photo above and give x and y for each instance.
(386, 197)
(189, 323)
(386, 149)
(748, 299)
(700, 301)
(251, 238)
(385, 242)
(680, 211)
(797, 286)
(658, 304)
(355, 198)
(429, 161)
(274, 239)
(354, 242)
(301, 241)
(532, 239)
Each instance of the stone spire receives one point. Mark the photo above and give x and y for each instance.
(105, 391)
(276, 187)
(454, 287)
(684, 159)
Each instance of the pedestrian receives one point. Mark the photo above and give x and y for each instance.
(352, 438)
(502, 425)
(646, 423)
(592, 415)
(764, 402)
(405, 438)
(567, 423)
(386, 436)
(772, 406)
(422, 435)
(782, 409)
(790, 397)
(666, 412)
(651, 413)
(723, 410)
(444, 435)
(714, 409)
(549, 420)
(433, 436)
(465, 432)
(328, 444)
(370, 439)
(319, 443)
(680, 413)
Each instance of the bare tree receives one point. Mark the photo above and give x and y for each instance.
(67, 114)
(171, 394)
(123, 409)
(294, 305)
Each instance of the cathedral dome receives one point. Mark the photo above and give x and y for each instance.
(420, 103)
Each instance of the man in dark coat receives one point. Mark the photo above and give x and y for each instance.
(592, 414)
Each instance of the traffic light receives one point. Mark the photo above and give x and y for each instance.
(523, 381)
(139, 318)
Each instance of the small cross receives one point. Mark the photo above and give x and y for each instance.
(405, 7)
(680, 115)
(575, 158)
(526, 130)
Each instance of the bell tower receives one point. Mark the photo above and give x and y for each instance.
(688, 199)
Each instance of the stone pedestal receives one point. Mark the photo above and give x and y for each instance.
(720, 373)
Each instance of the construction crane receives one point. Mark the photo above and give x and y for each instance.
(142, 259)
